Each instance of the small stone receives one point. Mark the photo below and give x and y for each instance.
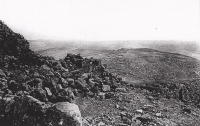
(126, 120)
(139, 111)
(3, 79)
(123, 113)
(105, 88)
(122, 124)
(2, 74)
(158, 114)
(120, 89)
(194, 114)
(101, 95)
(186, 110)
(150, 97)
(123, 108)
(101, 124)
(64, 70)
(26, 93)
(48, 91)
(65, 74)
(138, 122)
(117, 106)
(144, 118)
(148, 105)
(59, 87)
(120, 99)
(60, 123)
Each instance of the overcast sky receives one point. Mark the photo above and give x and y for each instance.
(103, 20)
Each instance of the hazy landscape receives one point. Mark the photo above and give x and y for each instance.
(58, 49)
(152, 66)
(99, 63)
(121, 83)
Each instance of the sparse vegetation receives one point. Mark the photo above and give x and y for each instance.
(136, 87)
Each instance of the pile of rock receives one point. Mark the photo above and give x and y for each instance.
(53, 82)
(30, 83)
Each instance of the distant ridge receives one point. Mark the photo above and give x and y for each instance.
(191, 49)
(149, 64)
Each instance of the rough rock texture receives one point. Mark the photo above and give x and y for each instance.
(64, 113)
(38, 90)
(31, 83)
(28, 111)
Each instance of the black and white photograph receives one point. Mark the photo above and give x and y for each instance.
(99, 63)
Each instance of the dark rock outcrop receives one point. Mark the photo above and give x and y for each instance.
(30, 84)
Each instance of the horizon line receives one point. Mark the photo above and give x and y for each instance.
(76, 40)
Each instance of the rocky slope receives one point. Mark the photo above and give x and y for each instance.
(162, 72)
(36, 90)
(136, 87)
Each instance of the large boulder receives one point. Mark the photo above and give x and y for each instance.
(64, 114)
(24, 111)
(30, 106)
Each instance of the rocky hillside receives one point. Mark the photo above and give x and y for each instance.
(134, 64)
(136, 87)
(39, 90)
(157, 71)
(14, 44)
(149, 64)
(149, 68)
